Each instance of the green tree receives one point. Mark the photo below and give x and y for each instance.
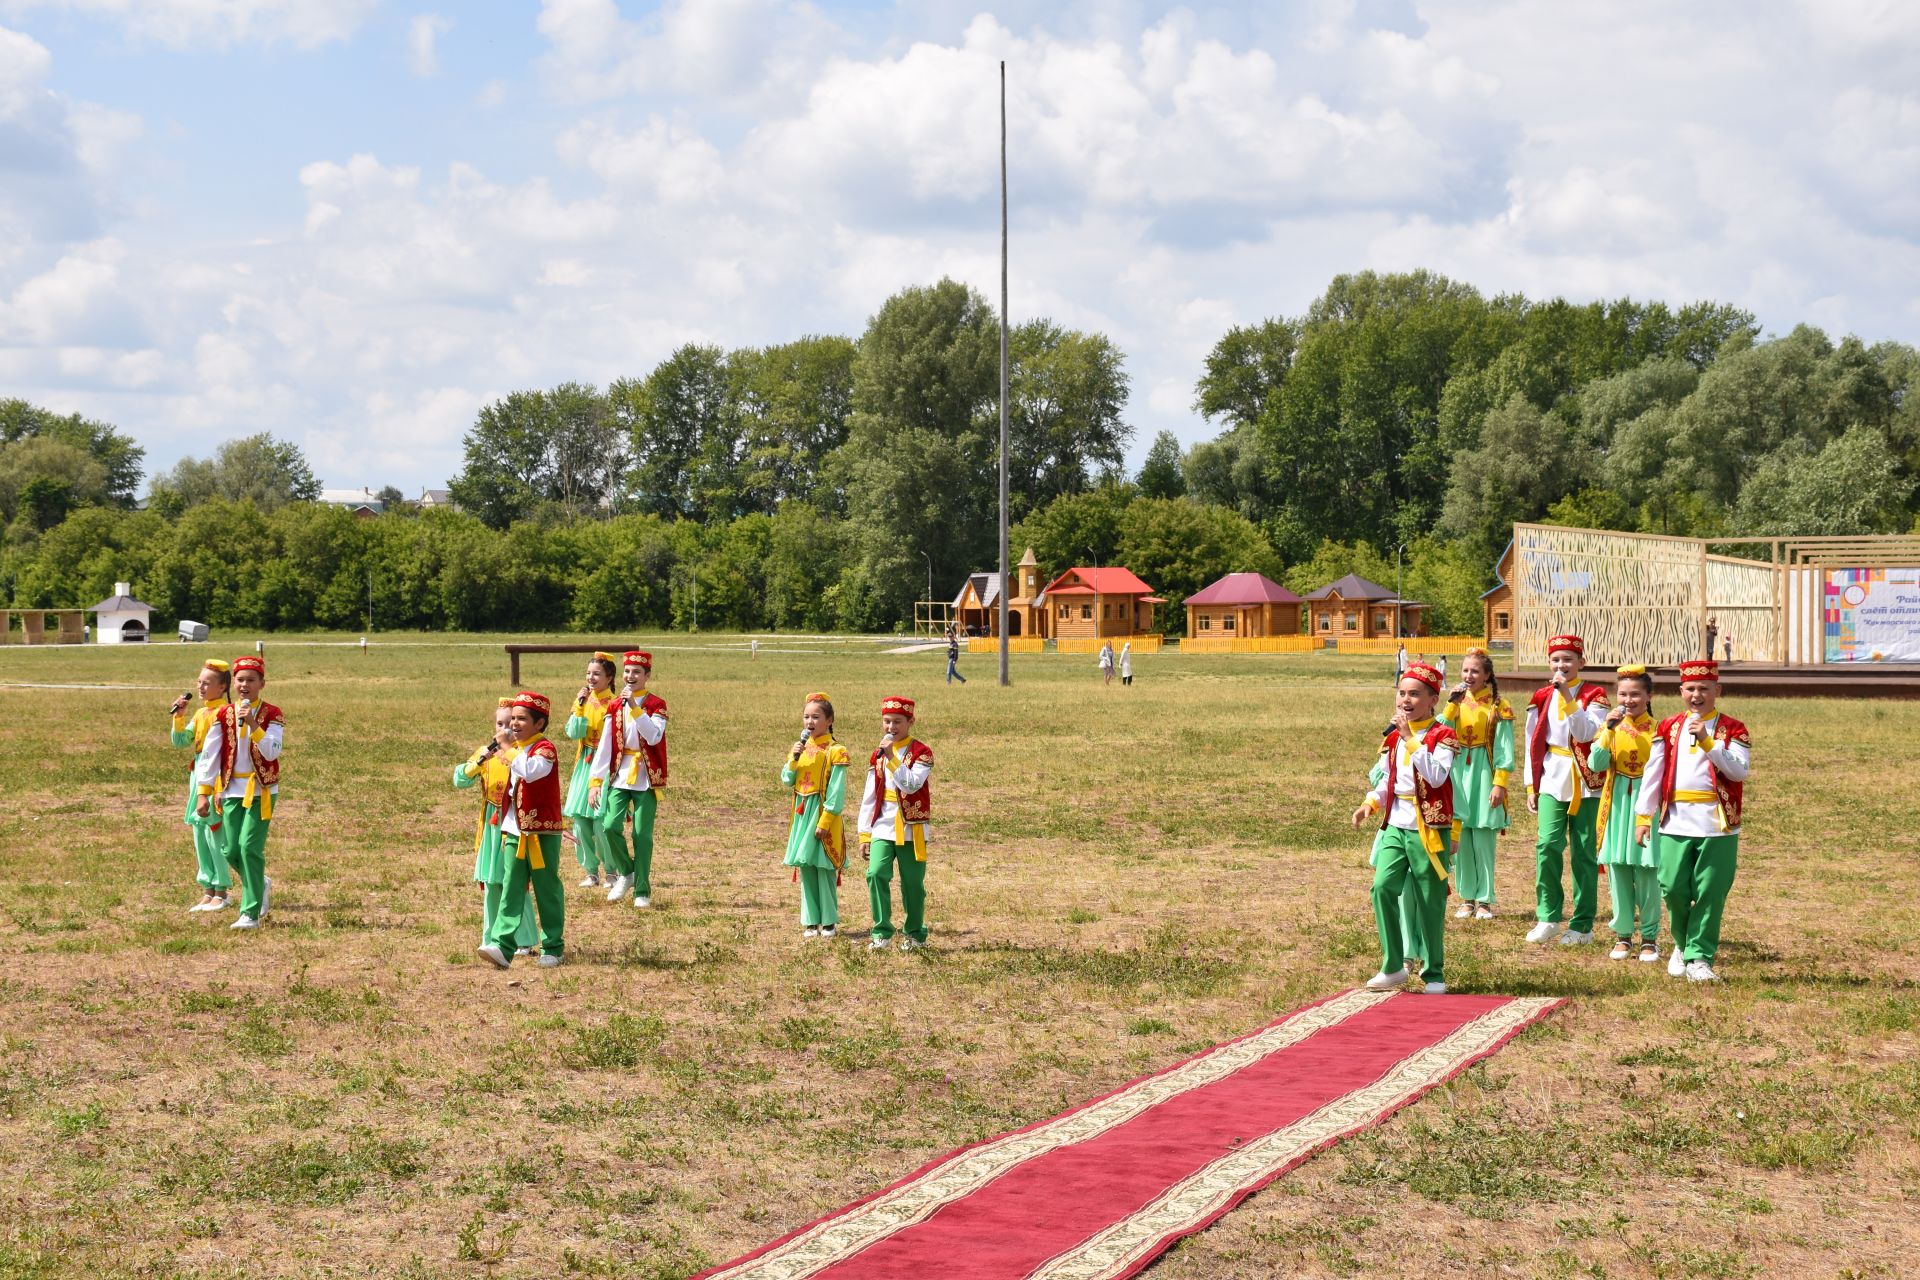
(1160, 474)
(1244, 370)
(684, 423)
(1526, 461)
(49, 476)
(1852, 486)
(1179, 547)
(119, 457)
(794, 400)
(1066, 392)
(259, 469)
(1075, 529)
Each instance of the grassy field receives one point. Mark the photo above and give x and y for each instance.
(1119, 877)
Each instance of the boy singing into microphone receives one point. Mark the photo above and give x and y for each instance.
(629, 770)
(1563, 719)
(1690, 802)
(251, 734)
(530, 826)
(895, 806)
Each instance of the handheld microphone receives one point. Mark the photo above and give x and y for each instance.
(184, 699)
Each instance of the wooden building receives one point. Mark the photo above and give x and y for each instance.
(1099, 604)
(1497, 603)
(976, 610)
(1243, 606)
(1356, 608)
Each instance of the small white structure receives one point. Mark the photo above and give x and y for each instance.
(192, 632)
(122, 619)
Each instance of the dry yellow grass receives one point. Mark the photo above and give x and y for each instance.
(1119, 877)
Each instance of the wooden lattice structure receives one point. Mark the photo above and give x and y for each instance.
(1638, 597)
(69, 626)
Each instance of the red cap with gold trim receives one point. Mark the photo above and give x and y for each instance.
(897, 707)
(638, 658)
(532, 701)
(1700, 669)
(1425, 673)
(1570, 643)
(250, 663)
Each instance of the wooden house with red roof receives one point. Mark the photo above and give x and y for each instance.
(1243, 606)
(1098, 604)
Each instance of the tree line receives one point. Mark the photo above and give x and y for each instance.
(818, 484)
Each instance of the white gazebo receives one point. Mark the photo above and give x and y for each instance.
(121, 618)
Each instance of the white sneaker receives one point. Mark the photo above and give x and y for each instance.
(245, 922)
(642, 901)
(827, 931)
(1387, 981)
(879, 944)
(591, 882)
(1676, 964)
(620, 886)
(1545, 931)
(1465, 912)
(1575, 938)
(1481, 911)
(494, 956)
(809, 932)
(1434, 989)
(911, 944)
(548, 962)
(1701, 971)
(266, 894)
(1649, 953)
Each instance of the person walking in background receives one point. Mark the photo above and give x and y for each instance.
(1727, 640)
(1399, 665)
(1713, 633)
(1126, 663)
(1106, 661)
(953, 657)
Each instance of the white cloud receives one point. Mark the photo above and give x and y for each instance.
(194, 24)
(742, 172)
(423, 34)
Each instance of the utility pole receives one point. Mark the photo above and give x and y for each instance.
(1003, 374)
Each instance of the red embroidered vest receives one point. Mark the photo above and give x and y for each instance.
(1732, 794)
(917, 807)
(655, 753)
(1434, 803)
(536, 804)
(1589, 694)
(268, 771)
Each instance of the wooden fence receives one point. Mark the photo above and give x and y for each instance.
(1249, 644)
(1429, 645)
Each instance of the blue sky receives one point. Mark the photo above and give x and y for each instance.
(354, 222)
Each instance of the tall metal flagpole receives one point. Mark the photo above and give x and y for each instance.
(1005, 585)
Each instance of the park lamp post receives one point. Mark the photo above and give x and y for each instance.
(1399, 593)
(929, 560)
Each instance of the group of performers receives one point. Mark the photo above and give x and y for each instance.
(1659, 806)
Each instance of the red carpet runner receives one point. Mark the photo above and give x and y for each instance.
(1098, 1192)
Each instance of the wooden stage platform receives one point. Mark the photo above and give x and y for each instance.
(1763, 680)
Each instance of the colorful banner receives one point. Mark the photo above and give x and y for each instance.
(1873, 615)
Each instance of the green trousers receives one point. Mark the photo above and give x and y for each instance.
(881, 857)
(617, 808)
(1635, 889)
(243, 840)
(1695, 874)
(1560, 835)
(590, 845)
(548, 896)
(1403, 863)
(527, 935)
(210, 859)
(819, 896)
(1473, 864)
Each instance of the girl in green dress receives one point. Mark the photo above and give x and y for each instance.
(1632, 869)
(1484, 722)
(585, 725)
(487, 769)
(816, 769)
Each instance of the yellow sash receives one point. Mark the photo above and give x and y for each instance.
(899, 822)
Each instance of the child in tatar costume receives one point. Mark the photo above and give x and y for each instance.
(816, 769)
(1633, 869)
(629, 772)
(895, 806)
(1409, 895)
(487, 769)
(586, 726)
(1484, 722)
(1562, 721)
(1693, 796)
(250, 734)
(1415, 804)
(530, 826)
(203, 816)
